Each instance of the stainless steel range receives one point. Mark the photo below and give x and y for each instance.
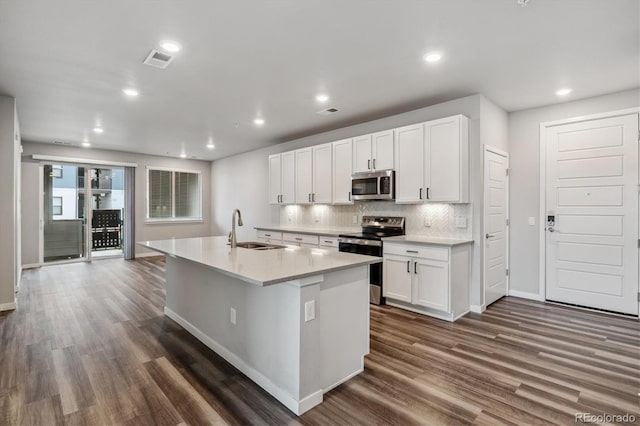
(369, 242)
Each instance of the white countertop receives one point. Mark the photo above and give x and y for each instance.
(333, 232)
(426, 240)
(260, 267)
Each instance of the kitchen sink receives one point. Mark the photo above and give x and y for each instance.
(252, 245)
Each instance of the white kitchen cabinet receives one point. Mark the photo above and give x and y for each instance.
(322, 174)
(409, 164)
(302, 240)
(428, 279)
(446, 154)
(304, 175)
(342, 170)
(329, 243)
(373, 152)
(267, 236)
(397, 277)
(282, 178)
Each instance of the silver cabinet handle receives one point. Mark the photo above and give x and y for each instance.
(309, 197)
(415, 268)
(313, 197)
(427, 193)
(408, 266)
(349, 195)
(298, 239)
(412, 251)
(374, 163)
(368, 164)
(328, 241)
(267, 235)
(421, 193)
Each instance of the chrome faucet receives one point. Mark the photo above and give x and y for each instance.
(232, 234)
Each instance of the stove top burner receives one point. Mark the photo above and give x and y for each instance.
(378, 227)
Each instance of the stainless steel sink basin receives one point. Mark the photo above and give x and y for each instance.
(252, 245)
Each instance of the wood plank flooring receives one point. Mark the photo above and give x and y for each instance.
(89, 345)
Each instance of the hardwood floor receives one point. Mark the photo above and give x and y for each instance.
(89, 345)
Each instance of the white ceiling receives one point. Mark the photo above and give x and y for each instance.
(66, 61)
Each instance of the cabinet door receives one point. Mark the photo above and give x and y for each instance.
(431, 284)
(322, 173)
(275, 175)
(446, 160)
(288, 177)
(342, 169)
(382, 154)
(397, 277)
(409, 164)
(362, 154)
(304, 175)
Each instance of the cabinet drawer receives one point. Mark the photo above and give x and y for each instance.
(300, 238)
(328, 241)
(270, 235)
(413, 250)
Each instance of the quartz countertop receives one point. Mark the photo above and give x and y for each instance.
(260, 267)
(426, 240)
(333, 232)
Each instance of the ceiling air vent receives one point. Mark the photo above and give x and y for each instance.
(158, 59)
(328, 111)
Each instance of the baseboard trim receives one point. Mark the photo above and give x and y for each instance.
(296, 406)
(478, 309)
(11, 306)
(30, 266)
(151, 254)
(526, 295)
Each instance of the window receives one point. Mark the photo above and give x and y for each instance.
(56, 171)
(56, 206)
(173, 195)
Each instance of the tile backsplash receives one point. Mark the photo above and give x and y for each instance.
(442, 219)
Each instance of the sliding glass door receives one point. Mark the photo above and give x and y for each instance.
(107, 211)
(64, 213)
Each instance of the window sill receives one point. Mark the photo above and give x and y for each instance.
(172, 221)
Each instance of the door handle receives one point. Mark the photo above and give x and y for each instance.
(374, 163)
(408, 266)
(489, 236)
(368, 164)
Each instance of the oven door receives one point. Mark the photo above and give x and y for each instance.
(369, 248)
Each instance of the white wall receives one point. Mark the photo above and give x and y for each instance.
(9, 207)
(144, 231)
(241, 181)
(524, 137)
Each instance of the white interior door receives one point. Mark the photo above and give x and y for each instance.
(496, 215)
(592, 196)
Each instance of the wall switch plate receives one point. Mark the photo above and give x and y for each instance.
(232, 316)
(532, 221)
(461, 222)
(309, 310)
(427, 221)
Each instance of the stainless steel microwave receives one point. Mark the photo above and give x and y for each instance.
(378, 185)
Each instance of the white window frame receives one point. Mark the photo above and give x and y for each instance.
(54, 206)
(173, 219)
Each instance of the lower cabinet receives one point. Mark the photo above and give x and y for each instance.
(427, 279)
(273, 237)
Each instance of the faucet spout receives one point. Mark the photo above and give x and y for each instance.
(232, 235)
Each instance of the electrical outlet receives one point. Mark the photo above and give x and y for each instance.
(461, 222)
(309, 310)
(354, 220)
(427, 221)
(232, 316)
(532, 221)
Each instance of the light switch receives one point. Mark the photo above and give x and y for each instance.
(427, 221)
(232, 316)
(309, 310)
(355, 219)
(532, 221)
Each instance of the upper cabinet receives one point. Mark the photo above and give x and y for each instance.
(373, 152)
(342, 170)
(432, 161)
(282, 178)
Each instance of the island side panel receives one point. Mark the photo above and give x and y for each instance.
(266, 336)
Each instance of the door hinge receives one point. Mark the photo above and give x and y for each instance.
(507, 271)
(638, 297)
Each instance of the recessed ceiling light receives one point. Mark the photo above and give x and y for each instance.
(86, 144)
(322, 98)
(170, 46)
(258, 121)
(183, 155)
(132, 93)
(563, 92)
(98, 130)
(432, 57)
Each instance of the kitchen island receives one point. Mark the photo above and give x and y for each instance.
(295, 320)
